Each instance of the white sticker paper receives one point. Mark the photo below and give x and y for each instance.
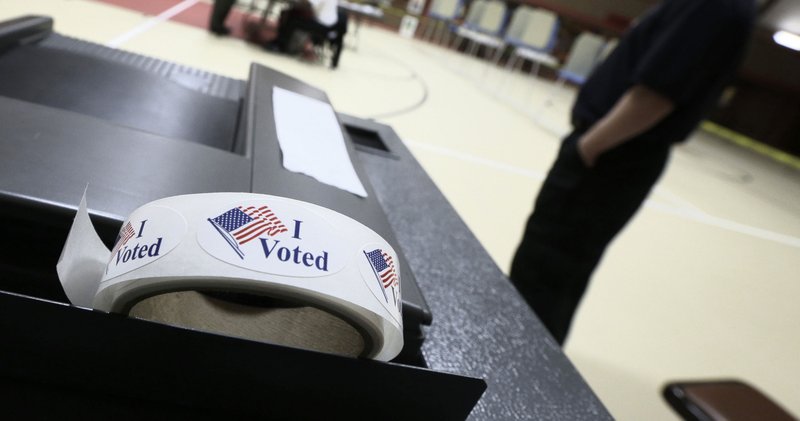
(83, 259)
(241, 242)
(148, 235)
(273, 236)
(311, 141)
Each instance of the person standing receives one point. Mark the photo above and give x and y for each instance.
(651, 92)
(219, 12)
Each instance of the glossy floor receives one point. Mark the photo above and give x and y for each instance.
(703, 282)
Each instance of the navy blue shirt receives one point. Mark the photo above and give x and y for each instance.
(686, 50)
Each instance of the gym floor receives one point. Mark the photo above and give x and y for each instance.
(701, 285)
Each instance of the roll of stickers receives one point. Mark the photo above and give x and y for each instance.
(242, 243)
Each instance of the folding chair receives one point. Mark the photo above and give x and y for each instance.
(483, 27)
(584, 55)
(534, 37)
(440, 14)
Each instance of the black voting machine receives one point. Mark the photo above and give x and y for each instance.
(73, 113)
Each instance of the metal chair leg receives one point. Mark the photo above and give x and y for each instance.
(457, 40)
(438, 33)
(429, 25)
(493, 62)
(509, 68)
(473, 46)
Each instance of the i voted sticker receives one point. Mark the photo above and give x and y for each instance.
(379, 270)
(148, 235)
(273, 236)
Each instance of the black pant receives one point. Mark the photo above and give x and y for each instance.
(219, 13)
(295, 19)
(577, 213)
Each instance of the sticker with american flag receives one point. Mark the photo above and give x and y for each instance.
(383, 267)
(243, 224)
(150, 233)
(126, 233)
(277, 235)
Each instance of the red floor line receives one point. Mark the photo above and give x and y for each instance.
(150, 7)
(197, 16)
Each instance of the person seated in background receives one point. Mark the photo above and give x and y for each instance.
(311, 16)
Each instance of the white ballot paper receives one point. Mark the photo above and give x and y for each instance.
(311, 141)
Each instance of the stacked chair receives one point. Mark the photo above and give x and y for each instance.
(483, 26)
(532, 33)
(585, 54)
(440, 15)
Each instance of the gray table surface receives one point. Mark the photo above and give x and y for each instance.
(481, 325)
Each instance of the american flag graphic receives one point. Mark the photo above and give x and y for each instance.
(125, 234)
(243, 224)
(383, 265)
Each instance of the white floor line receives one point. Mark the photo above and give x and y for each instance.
(532, 112)
(534, 175)
(729, 225)
(682, 203)
(150, 23)
(684, 209)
